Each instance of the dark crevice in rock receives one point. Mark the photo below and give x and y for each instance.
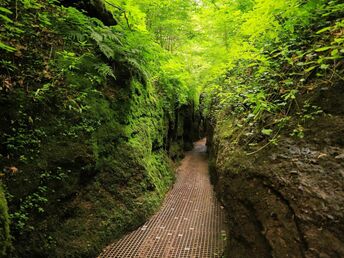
(285, 201)
(259, 227)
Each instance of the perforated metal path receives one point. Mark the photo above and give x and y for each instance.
(191, 222)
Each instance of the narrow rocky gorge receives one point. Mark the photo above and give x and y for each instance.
(100, 99)
(287, 200)
(190, 223)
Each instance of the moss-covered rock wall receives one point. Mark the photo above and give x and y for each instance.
(86, 135)
(284, 200)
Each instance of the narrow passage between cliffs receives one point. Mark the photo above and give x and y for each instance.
(190, 223)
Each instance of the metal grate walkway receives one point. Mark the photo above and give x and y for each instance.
(191, 222)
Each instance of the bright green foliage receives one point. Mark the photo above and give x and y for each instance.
(6, 21)
(89, 112)
(272, 52)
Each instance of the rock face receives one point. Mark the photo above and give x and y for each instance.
(286, 200)
(183, 130)
(94, 8)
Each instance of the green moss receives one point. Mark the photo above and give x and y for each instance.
(90, 149)
(5, 241)
(131, 180)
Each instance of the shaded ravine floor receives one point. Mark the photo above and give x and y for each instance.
(190, 223)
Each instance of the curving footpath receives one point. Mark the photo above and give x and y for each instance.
(191, 222)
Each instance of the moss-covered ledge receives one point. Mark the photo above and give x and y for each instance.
(5, 242)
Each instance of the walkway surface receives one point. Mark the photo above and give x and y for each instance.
(191, 222)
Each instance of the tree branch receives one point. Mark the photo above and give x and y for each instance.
(122, 10)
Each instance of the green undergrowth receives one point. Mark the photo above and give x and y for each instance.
(5, 241)
(85, 118)
(280, 57)
(277, 85)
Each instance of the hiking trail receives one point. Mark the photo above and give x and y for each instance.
(190, 223)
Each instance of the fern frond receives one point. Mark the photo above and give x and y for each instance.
(114, 38)
(6, 47)
(105, 70)
(104, 45)
(138, 68)
(96, 37)
(106, 50)
(5, 10)
(76, 36)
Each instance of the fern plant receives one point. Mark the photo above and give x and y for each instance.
(105, 70)
(107, 41)
(4, 16)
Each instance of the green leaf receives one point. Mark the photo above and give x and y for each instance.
(323, 30)
(5, 18)
(6, 47)
(252, 64)
(5, 10)
(334, 52)
(311, 68)
(323, 48)
(339, 40)
(324, 66)
(267, 131)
